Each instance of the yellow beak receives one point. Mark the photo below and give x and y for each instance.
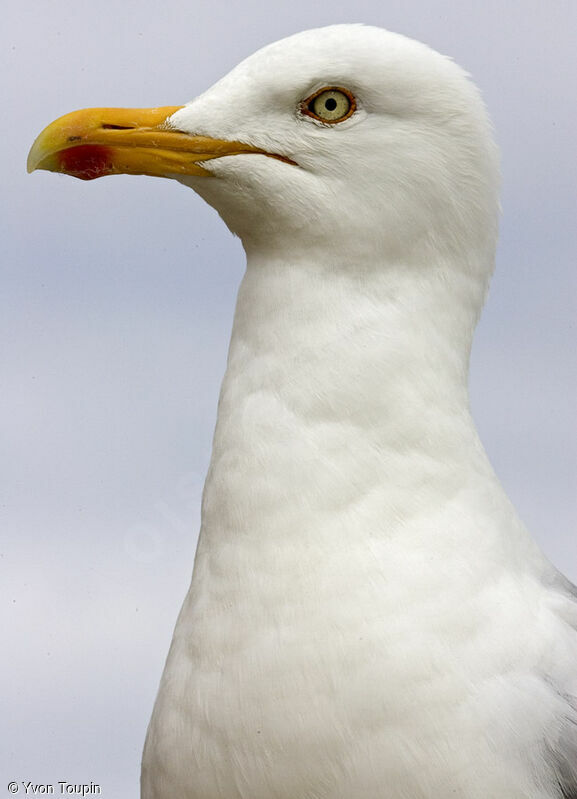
(95, 142)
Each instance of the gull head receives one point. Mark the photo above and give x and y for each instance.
(343, 138)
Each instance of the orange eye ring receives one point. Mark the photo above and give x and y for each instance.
(330, 105)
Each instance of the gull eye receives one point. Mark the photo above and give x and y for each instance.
(332, 104)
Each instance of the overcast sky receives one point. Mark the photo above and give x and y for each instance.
(116, 304)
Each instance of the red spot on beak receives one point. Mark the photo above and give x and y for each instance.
(87, 161)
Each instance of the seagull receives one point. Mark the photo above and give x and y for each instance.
(367, 618)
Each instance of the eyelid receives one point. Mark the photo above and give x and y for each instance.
(304, 105)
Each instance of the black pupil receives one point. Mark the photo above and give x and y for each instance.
(330, 104)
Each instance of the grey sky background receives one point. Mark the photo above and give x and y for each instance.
(116, 302)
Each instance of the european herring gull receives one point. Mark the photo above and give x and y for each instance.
(368, 618)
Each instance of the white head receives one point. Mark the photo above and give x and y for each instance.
(412, 170)
(403, 170)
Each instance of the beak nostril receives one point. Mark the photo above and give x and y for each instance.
(106, 126)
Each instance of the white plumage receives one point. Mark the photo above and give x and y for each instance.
(368, 618)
